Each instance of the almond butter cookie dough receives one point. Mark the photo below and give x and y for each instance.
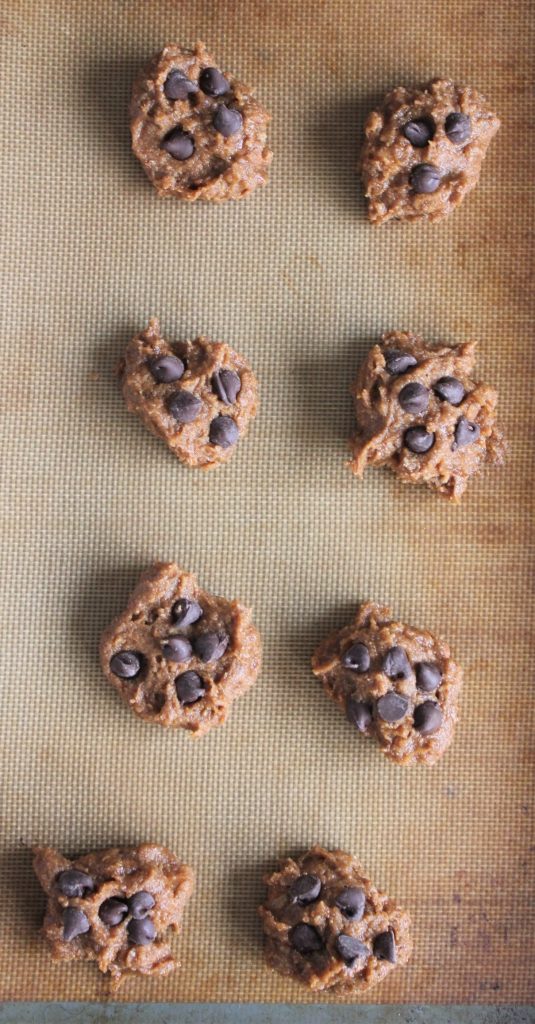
(424, 149)
(326, 925)
(114, 906)
(198, 132)
(394, 682)
(178, 656)
(197, 396)
(420, 412)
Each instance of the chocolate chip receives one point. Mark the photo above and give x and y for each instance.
(358, 713)
(75, 923)
(166, 369)
(305, 889)
(398, 362)
(414, 398)
(178, 144)
(427, 718)
(392, 707)
(351, 902)
(184, 406)
(305, 939)
(212, 82)
(74, 883)
(419, 132)
(428, 676)
(350, 949)
(126, 664)
(227, 121)
(210, 646)
(384, 946)
(357, 657)
(424, 178)
(457, 127)
(185, 612)
(178, 87)
(395, 664)
(224, 431)
(449, 389)
(189, 687)
(113, 911)
(418, 440)
(226, 385)
(141, 933)
(466, 432)
(140, 904)
(176, 648)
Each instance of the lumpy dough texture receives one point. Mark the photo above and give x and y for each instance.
(395, 683)
(326, 925)
(179, 656)
(197, 396)
(419, 412)
(198, 133)
(424, 150)
(114, 906)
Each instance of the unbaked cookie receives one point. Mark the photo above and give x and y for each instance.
(424, 149)
(178, 656)
(326, 925)
(419, 412)
(197, 396)
(198, 132)
(114, 906)
(394, 682)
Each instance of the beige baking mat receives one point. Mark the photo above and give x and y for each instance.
(296, 280)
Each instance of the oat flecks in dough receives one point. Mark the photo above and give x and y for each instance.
(114, 906)
(199, 133)
(395, 683)
(197, 396)
(424, 150)
(327, 926)
(420, 412)
(179, 656)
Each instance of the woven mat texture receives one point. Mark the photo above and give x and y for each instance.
(297, 280)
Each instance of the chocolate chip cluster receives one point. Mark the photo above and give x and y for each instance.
(185, 407)
(392, 707)
(225, 119)
(414, 399)
(309, 939)
(133, 911)
(425, 177)
(198, 646)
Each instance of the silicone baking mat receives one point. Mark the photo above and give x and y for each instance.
(297, 280)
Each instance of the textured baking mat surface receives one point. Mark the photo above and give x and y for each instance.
(297, 280)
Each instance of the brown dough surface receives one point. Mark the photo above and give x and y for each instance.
(149, 399)
(325, 968)
(119, 873)
(388, 157)
(380, 438)
(220, 168)
(149, 620)
(358, 691)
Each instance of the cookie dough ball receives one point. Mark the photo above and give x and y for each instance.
(197, 131)
(114, 906)
(419, 412)
(178, 656)
(395, 683)
(424, 149)
(197, 396)
(326, 925)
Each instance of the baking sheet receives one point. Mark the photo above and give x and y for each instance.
(296, 280)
